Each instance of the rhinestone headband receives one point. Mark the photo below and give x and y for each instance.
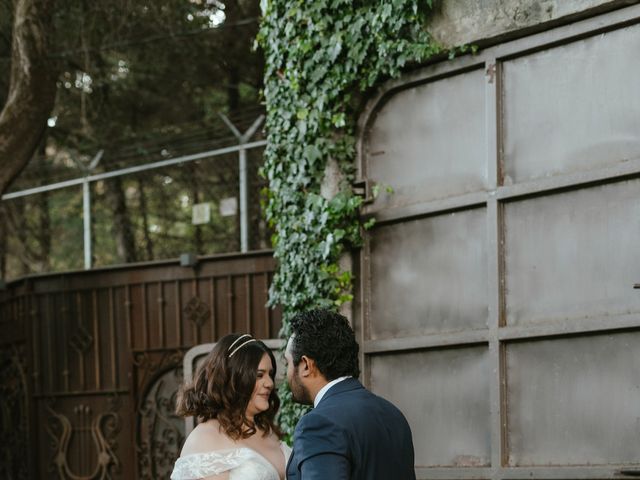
(241, 345)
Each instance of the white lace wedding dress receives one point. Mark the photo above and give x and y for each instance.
(241, 463)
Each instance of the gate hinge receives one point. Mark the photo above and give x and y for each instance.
(363, 188)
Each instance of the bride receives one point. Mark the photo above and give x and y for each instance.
(234, 398)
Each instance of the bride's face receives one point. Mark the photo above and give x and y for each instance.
(264, 385)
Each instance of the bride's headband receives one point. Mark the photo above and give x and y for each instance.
(251, 339)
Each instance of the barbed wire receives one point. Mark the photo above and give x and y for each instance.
(123, 153)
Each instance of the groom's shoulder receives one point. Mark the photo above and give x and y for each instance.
(359, 401)
(346, 400)
(317, 423)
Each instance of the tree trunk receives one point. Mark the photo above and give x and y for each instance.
(233, 89)
(148, 242)
(44, 233)
(21, 230)
(198, 244)
(4, 244)
(232, 14)
(32, 88)
(122, 228)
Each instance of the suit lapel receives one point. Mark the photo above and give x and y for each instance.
(290, 473)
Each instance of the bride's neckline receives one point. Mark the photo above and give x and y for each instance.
(264, 459)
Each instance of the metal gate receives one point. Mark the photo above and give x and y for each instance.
(90, 361)
(497, 303)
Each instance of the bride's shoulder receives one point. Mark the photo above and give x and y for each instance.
(286, 449)
(206, 437)
(208, 452)
(209, 464)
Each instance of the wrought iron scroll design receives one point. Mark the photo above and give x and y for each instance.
(13, 414)
(197, 311)
(160, 432)
(81, 340)
(102, 429)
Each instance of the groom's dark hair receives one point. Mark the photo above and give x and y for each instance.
(326, 337)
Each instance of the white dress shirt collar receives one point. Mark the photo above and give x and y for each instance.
(324, 389)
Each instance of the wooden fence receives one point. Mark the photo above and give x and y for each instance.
(90, 361)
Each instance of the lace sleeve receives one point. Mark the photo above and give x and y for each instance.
(200, 465)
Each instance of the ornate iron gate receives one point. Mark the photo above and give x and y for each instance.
(90, 361)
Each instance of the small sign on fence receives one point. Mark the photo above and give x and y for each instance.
(228, 206)
(201, 213)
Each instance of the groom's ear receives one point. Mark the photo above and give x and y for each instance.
(307, 366)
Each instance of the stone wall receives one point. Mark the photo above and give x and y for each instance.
(457, 22)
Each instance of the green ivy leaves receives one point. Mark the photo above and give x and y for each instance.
(319, 56)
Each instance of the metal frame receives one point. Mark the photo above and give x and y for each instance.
(497, 335)
(243, 138)
(86, 180)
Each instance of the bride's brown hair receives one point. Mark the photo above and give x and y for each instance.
(223, 385)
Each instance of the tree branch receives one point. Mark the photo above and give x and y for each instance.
(32, 88)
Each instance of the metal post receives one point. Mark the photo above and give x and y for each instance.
(86, 205)
(89, 177)
(244, 217)
(242, 167)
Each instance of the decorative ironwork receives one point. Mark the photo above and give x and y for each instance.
(102, 429)
(150, 366)
(149, 435)
(81, 340)
(160, 431)
(13, 414)
(197, 311)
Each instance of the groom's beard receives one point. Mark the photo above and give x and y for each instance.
(299, 392)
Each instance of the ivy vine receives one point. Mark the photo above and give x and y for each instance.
(321, 56)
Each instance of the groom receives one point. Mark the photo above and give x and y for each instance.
(351, 434)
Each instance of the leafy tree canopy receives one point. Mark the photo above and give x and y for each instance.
(143, 81)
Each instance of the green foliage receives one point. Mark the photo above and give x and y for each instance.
(319, 57)
(142, 81)
(462, 50)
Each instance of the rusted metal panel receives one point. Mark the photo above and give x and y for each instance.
(427, 142)
(138, 316)
(415, 263)
(574, 401)
(153, 308)
(570, 255)
(560, 225)
(572, 108)
(450, 417)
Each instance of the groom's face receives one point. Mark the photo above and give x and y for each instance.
(299, 391)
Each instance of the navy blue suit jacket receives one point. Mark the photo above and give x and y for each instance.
(352, 435)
